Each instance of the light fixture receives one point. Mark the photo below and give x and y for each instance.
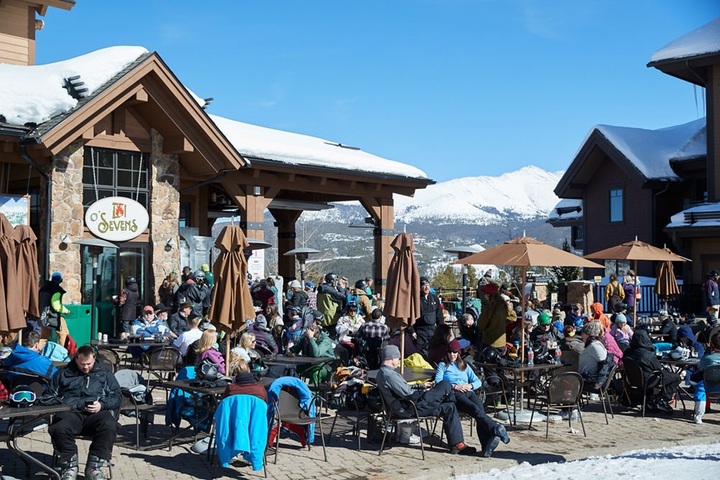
(257, 190)
(64, 240)
(169, 244)
(301, 254)
(280, 204)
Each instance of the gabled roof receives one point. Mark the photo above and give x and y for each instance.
(567, 212)
(645, 155)
(689, 56)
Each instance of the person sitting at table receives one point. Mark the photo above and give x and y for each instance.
(348, 325)
(667, 327)
(180, 320)
(571, 342)
(621, 331)
(686, 338)
(93, 393)
(206, 350)
(596, 311)
(575, 316)
(593, 355)
(642, 351)
(709, 360)
(187, 338)
(244, 382)
(247, 343)
(148, 325)
(263, 335)
(611, 346)
(464, 383)
(438, 400)
(545, 334)
(26, 358)
(707, 325)
(438, 343)
(314, 343)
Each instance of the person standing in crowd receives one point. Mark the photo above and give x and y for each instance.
(296, 294)
(711, 293)
(209, 277)
(26, 358)
(495, 314)
(128, 301)
(330, 301)
(614, 293)
(166, 292)
(50, 300)
(431, 314)
(629, 288)
(190, 292)
(362, 299)
(464, 383)
(438, 400)
(186, 271)
(311, 294)
(93, 393)
(369, 287)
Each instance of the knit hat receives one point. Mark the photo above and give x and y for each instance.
(56, 277)
(391, 352)
(454, 346)
(620, 318)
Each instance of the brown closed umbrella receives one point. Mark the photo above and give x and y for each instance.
(666, 284)
(637, 251)
(12, 317)
(402, 300)
(27, 269)
(232, 303)
(526, 252)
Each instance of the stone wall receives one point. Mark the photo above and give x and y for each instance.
(164, 211)
(67, 219)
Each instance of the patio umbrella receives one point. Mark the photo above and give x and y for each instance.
(637, 251)
(402, 300)
(666, 284)
(231, 304)
(526, 252)
(27, 269)
(12, 317)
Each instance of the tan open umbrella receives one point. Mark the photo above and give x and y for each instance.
(526, 252)
(402, 300)
(12, 317)
(637, 251)
(27, 269)
(232, 303)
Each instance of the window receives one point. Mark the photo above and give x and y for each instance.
(616, 205)
(114, 173)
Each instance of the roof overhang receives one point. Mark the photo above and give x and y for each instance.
(690, 69)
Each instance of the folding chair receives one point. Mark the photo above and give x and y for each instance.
(288, 411)
(563, 390)
(137, 401)
(162, 363)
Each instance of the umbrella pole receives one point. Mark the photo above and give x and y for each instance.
(402, 351)
(227, 352)
(635, 302)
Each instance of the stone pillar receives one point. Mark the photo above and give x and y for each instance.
(67, 218)
(164, 210)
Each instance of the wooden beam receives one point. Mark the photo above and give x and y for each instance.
(141, 96)
(89, 134)
(177, 144)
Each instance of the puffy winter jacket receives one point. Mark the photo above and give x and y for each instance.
(75, 388)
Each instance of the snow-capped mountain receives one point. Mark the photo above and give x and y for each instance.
(526, 194)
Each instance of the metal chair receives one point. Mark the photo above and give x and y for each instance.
(161, 363)
(391, 423)
(711, 377)
(108, 358)
(562, 391)
(635, 378)
(493, 385)
(289, 411)
(137, 401)
(344, 399)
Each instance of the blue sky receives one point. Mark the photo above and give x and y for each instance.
(454, 87)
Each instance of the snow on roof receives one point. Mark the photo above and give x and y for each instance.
(296, 149)
(701, 41)
(35, 94)
(566, 209)
(703, 216)
(651, 150)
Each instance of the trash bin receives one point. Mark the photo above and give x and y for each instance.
(78, 322)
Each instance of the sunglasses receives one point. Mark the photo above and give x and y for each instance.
(453, 351)
(147, 313)
(23, 398)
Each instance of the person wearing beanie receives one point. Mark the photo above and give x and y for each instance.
(50, 303)
(545, 334)
(464, 382)
(621, 331)
(436, 401)
(209, 277)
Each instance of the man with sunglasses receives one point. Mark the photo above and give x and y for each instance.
(93, 393)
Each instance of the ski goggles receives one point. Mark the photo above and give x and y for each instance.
(23, 398)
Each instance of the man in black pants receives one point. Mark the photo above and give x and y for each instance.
(93, 393)
(438, 400)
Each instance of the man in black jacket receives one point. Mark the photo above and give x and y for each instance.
(94, 395)
(431, 314)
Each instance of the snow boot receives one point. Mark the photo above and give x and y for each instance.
(93, 469)
(699, 411)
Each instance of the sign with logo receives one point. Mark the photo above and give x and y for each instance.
(117, 219)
